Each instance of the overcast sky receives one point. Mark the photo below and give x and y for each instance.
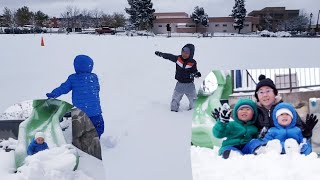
(213, 8)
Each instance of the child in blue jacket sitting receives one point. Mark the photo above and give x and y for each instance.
(85, 91)
(37, 144)
(285, 137)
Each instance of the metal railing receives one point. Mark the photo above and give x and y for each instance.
(291, 79)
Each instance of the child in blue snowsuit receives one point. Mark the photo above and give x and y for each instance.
(85, 91)
(285, 135)
(37, 144)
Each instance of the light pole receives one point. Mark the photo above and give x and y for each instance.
(68, 22)
(310, 22)
(317, 22)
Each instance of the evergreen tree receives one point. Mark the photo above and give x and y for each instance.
(141, 13)
(40, 18)
(23, 16)
(239, 13)
(199, 17)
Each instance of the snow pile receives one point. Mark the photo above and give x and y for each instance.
(9, 144)
(19, 111)
(207, 165)
(54, 163)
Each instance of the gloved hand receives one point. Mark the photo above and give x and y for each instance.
(263, 132)
(158, 53)
(51, 95)
(223, 114)
(305, 148)
(311, 121)
(195, 75)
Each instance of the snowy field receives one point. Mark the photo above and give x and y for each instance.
(143, 139)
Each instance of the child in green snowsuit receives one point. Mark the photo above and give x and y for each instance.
(239, 132)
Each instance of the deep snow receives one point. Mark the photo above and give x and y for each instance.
(143, 139)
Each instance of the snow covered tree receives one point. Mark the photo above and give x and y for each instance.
(141, 13)
(239, 13)
(199, 17)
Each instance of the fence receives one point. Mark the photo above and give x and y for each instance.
(291, 79)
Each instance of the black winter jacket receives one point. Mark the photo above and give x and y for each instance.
(184, 67)
(265, 118)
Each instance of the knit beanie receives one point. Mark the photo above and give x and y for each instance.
(282, 111)
(263, 81)
(39, 134)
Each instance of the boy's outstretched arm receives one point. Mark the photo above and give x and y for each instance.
(168, 56)
(64, 88)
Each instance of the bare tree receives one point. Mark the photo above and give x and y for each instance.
(8, 17)
(97, 15)
(107, 20)
(85, 18)
(119, 20)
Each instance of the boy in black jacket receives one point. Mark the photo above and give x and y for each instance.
(186, 71)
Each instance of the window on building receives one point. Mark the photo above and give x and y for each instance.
(224, 25)
(216, 25)
(190, 25)
(224, 30)
(160, 26)
(246, 25)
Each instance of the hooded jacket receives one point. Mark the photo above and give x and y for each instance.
(283, 133)
(84, 85)
(237, 132)
(265, 116)
(33, 148)
(184, 67)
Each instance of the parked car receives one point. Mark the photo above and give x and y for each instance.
(104, 30)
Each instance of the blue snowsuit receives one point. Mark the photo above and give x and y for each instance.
(283, 133)
(33, 147)
(85, 91)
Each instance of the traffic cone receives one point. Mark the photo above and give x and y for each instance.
(42, 41)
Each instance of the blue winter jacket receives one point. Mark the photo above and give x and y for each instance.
(84, 85)
(34, 147)
(284, 133)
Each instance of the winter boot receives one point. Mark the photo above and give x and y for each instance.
(226, 154)
(274, 146)
(291, 146)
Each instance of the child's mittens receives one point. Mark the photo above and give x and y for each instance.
(51, 95)
(158, 53)
(223, 113)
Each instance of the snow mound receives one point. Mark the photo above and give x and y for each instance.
(53, 163)
(206, 164)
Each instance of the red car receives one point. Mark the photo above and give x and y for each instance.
(105, 30)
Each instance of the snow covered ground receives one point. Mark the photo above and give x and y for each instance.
(143, 139)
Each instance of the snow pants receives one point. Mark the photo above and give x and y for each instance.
(98, 123)
(188, 89)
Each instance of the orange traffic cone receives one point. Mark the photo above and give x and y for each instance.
(42, 41)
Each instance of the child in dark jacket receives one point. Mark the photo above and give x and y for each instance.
(239, 132)
(186, 71)
(85, 91)
(285, 136)
(37, 144)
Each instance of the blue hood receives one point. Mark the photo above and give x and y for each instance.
(83, 64)
(287, 106)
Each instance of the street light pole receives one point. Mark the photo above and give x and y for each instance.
(310, 22)
(317, 22)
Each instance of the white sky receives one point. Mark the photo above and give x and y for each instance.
(212, 7)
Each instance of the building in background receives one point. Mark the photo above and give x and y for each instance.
(180, 22)
(271, 17)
